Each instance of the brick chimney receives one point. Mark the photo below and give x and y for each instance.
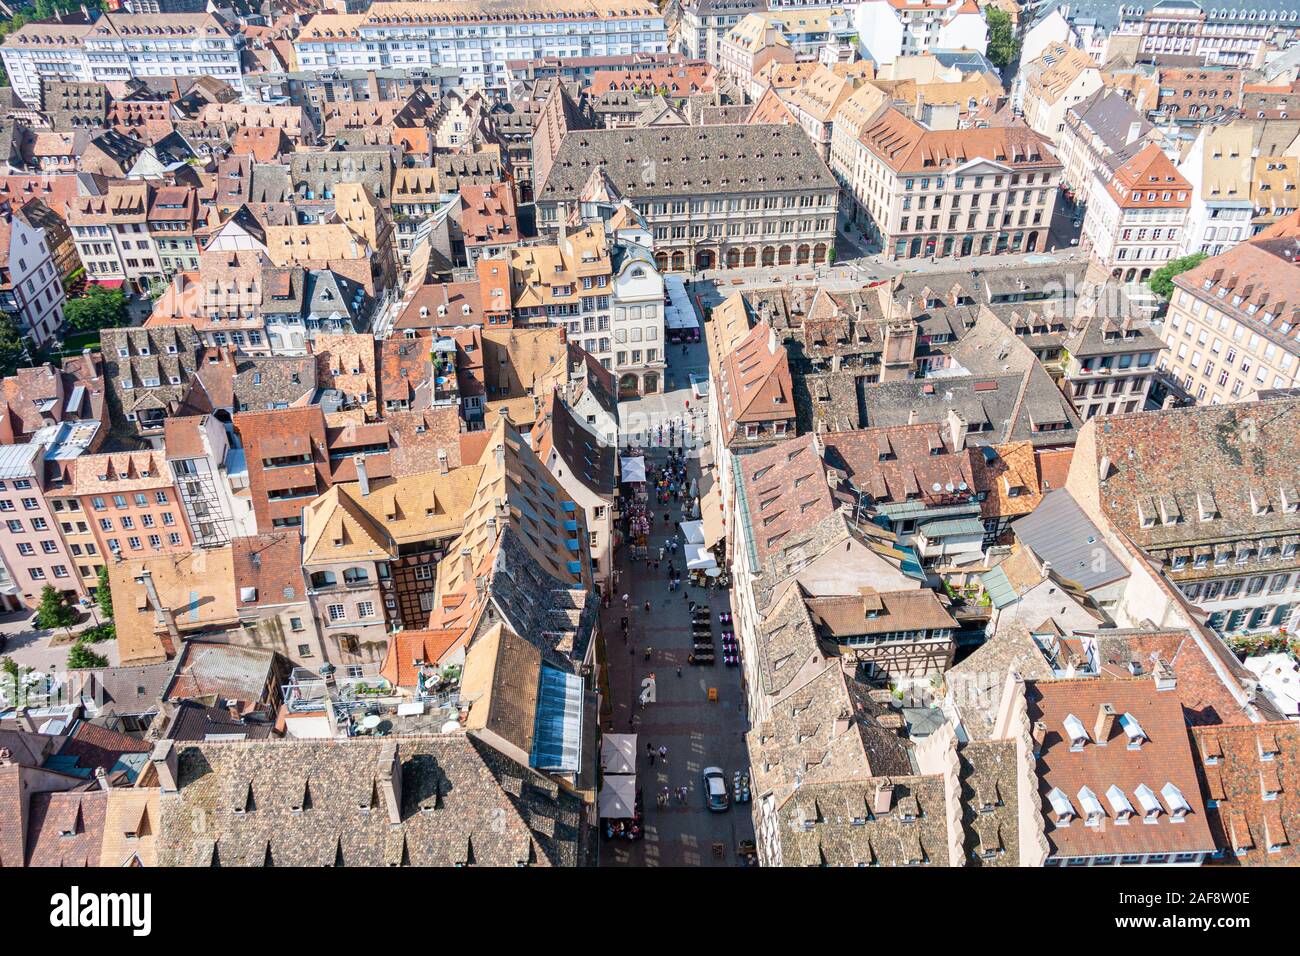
(1105, 725)
(1039, 734)
(883, 798)
(467, 565)
(390, 780)
(25, 720)
(163, 758)
(101, 778)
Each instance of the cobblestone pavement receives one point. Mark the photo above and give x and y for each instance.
(697, 733)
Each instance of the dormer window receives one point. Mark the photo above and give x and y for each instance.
(1092, 810)
(1119, 804)
(1178, 805)
(1075, 732)
(1136, 735)
(1149, 802)
(1061, 807)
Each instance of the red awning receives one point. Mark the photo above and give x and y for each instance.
(106, 283)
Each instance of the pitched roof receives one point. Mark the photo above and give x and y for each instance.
(322, 802)
(1250, 781)
(336, 528)
(408, 650)
(1238, 463)
(907, 147)
(1160, 768)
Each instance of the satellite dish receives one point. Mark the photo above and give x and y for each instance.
(451, 727)
(963, 486)
(936, 487)
(949, 487)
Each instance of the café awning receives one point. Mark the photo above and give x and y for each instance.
(633, 469)
(617, 800)
(711, 517)
(693, 531)
(618, 753)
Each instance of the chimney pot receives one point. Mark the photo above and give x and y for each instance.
(1165, 677)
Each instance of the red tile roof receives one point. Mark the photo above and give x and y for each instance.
(407, 647)
(1236, 767)
(1106, 760)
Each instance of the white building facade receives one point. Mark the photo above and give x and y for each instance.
(888, 29)
(31, 289)
(479, 38)
(639, 343)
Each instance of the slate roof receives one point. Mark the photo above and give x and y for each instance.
(580, 454)
(697, 160)
(460, 803)
(1109, 116)
(1058, 531)
(128, 690)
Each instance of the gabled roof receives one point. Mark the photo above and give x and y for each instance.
(336, 528)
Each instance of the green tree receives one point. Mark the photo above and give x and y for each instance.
(104, 593)
(1003, 46)
(10, 667)
(53, 611)
(82, 657)
(99, 308)
(1162, 280)
(14, 352)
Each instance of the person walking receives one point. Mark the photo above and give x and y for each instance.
(663, 753)
(650, 752)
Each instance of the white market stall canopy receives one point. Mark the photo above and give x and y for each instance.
(617, 799)
(698, 558)
(693, 531)
(618, 753)
(633, 469)
(679, 318)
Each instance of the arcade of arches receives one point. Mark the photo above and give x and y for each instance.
(633, 384)
(745, 256)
